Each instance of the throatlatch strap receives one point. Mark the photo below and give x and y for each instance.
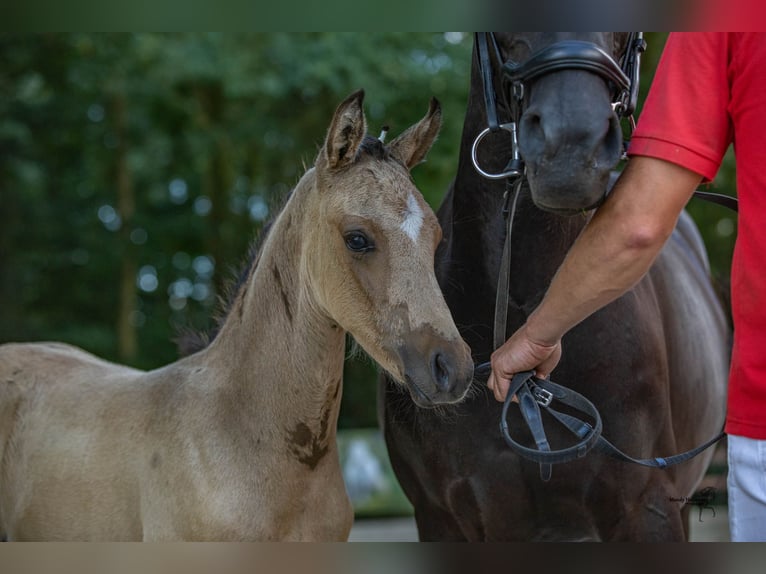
(485, 66)
(725, 200)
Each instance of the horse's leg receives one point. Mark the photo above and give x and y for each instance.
(656, 517)
(437, 525)
(434, 522)
(460, 519)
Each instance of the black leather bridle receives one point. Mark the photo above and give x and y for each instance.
(623, 77)
(579, 55)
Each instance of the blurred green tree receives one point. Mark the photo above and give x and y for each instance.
(135, 169)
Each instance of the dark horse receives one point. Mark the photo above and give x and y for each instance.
(654, 362)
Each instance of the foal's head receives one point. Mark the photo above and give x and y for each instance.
(370, 255)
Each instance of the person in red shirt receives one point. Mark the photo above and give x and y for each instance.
(709, 91)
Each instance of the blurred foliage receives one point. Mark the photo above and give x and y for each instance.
(370, 480)
(136, 168)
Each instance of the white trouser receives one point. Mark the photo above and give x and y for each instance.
(747, 489)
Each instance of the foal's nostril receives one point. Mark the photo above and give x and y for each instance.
(442, 372)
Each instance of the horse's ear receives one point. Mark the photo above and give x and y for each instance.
(345, 135)
(412, 146)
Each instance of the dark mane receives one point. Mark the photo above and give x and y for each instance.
(374, 147)
(191, 340)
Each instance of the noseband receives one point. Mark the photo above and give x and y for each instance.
(622, 77)
(578, 55)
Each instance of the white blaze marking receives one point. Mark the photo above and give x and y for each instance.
(413, 218)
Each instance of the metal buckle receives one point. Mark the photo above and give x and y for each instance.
(542, 396)
(513, 168)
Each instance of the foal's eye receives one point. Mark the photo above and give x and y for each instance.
(358, 242)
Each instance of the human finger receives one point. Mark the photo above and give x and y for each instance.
(499, 386)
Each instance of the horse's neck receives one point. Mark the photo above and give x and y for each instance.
(540, 240)
(539, 243)
(279, 355)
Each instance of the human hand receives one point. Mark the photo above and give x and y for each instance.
(521, 353)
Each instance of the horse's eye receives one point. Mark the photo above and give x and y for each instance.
(358, 242)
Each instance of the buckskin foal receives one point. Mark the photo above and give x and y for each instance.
(237, 442)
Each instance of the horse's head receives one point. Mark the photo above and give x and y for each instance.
(569, 134)
(372, 255)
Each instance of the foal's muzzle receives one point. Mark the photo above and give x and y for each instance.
(436, 371)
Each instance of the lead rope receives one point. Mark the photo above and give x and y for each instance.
(504, 277)
(528, 401)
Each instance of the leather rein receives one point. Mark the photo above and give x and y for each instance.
(535, 394)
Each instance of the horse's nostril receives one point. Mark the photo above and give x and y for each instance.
(442, 372)
(532, 137)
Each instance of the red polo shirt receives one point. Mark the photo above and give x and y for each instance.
(710, 91)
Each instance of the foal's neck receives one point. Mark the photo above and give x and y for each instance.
(283, 357)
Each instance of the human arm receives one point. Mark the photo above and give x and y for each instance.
(611, 255)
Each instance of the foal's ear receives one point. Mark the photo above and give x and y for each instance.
(345, 135)
(412, 146)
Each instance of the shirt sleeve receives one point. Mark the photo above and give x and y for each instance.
(685, 119)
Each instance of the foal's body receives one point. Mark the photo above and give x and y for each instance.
(237, 442)
(157, 464)
(182, 451)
